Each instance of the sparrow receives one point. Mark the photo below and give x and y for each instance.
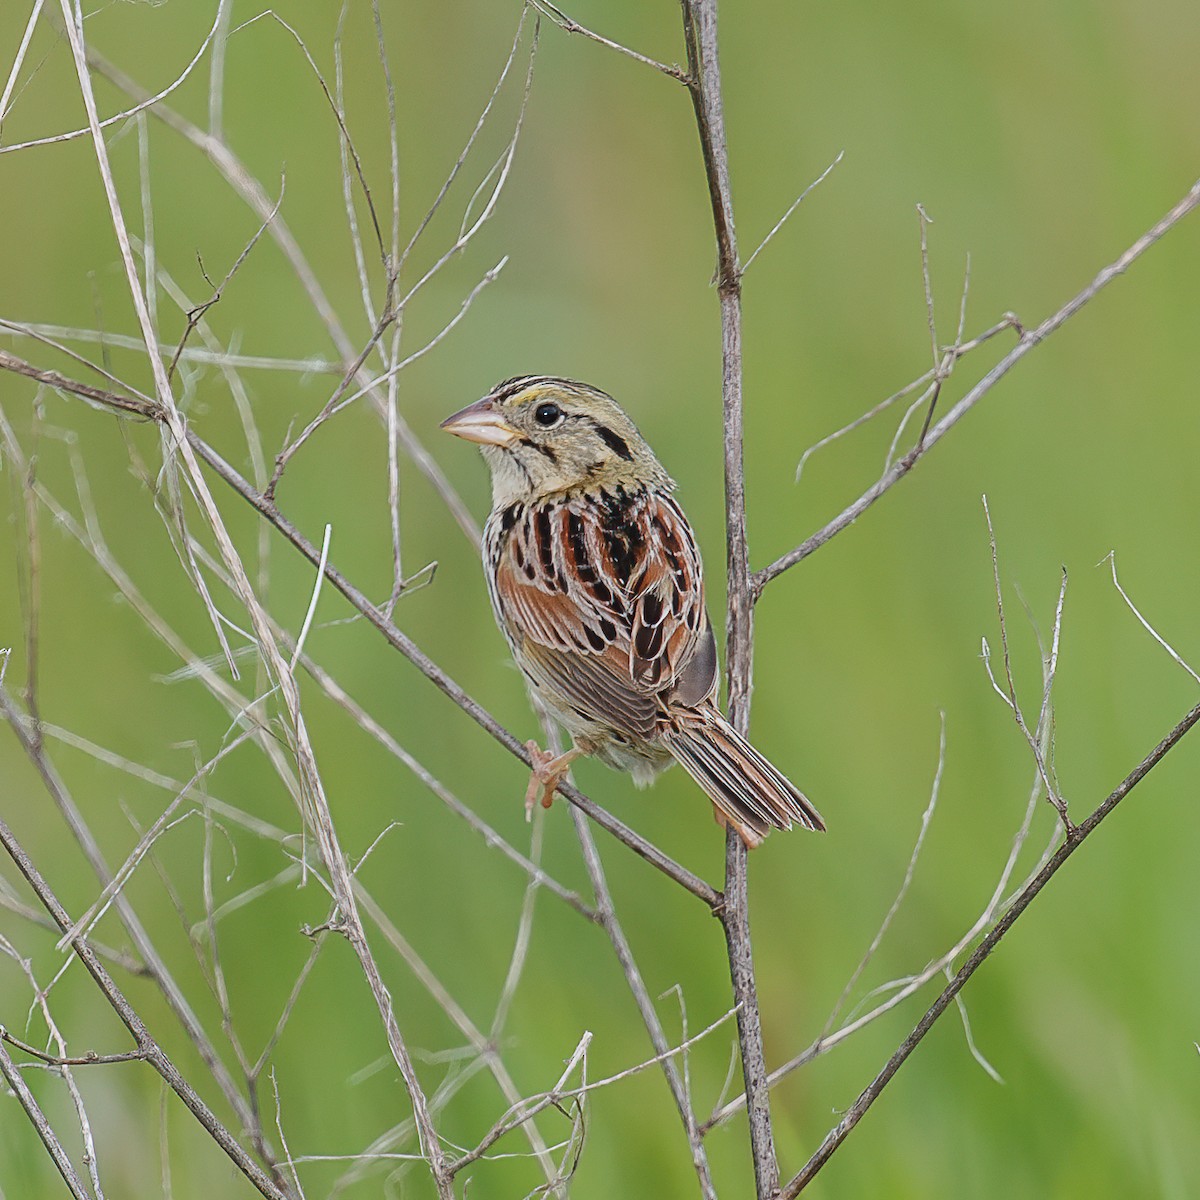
(595, 580)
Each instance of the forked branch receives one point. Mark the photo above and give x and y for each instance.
(1078, 835)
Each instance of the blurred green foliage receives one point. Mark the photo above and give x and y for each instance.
(1042, 140)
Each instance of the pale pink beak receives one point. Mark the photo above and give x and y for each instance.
(479, 422)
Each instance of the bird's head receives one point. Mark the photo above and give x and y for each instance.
(543, 436)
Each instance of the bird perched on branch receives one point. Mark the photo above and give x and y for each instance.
(595, 579)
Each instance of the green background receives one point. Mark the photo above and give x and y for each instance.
(1042, 140)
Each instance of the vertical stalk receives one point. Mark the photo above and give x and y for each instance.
(704, 84)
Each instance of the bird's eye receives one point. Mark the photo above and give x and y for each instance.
(547, 415)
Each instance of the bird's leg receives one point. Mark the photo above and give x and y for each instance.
(548, 770)
(751, 839)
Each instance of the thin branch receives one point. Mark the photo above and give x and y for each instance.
(543, 1100)
(346, 142)
(146, 102)
(91, 1059)
(339, 400)
(960, 350)
(1009, 695)
(255, 196)
(1177, 658)
(351, 210)
(484, 1047)
(448, 182)
(1029, 339)
(37, 1118)
(641, 995)
(700, 36)
(567, 25)
(92, 914)
(153, 1052)
(19, 59)
(197, 314)
(220, 358)
(905, 883)
(216, 69)
(1024, 898)
(791, 209)
(393, 312)
(146, 409)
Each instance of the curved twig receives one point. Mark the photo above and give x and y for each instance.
(1029, 339)
(1077, 836)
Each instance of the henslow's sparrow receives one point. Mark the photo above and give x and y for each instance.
(595, 580)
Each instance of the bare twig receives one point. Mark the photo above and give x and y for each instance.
(339, 400)
(189, 354)
(37, 1118)
(1009, 694)
(392, 311)
(19, 59)
(905, 883)
(641, 995)
(146, 102)
(791, 209)
(1021, 902)
(530, 1105)
(153, 1052)
(700, 35)
(1174, 655)
(91, 1059)
(161, 824)
(216, 69)
(960, 349)
(197, 314)
(1028, 340)
(255, 196)
(568, 25)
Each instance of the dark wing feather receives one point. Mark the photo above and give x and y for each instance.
(668, 621)
(596, 686)
(606, 601)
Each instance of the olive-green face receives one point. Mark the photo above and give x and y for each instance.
(541, 436)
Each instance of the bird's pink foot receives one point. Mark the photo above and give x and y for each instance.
(548, 770)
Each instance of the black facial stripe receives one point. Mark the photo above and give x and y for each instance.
(614, 441)
(546, 450)
(516, 458)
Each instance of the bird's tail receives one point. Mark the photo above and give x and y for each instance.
(751, 794)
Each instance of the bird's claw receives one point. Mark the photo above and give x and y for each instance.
(547, 772)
